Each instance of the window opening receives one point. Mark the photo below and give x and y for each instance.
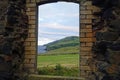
(58, 39)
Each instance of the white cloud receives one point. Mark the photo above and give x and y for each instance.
(50, 15)
(41, 19)
(43, 41)
(60, 27)
(68, 15)
(65, 15)
(63, 34)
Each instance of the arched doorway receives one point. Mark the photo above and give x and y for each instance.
(86, 38)
(58, 39)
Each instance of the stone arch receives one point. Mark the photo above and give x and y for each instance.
(18, 39)
(86, 34)
(47, 1)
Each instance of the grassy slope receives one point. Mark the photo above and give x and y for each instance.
(65, 42)
(68, 60)
(63, 50)
(49, 65)
(66, 56)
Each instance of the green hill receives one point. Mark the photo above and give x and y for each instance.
(70, 41)
(67, 45)
(64, 50)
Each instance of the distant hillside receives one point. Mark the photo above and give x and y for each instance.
(64, 50)
(63, 46)
(65, 42)
(41, 49)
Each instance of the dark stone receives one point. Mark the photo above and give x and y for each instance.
(5, 76)
(108, 14)
(110, 36)
(106, 50)
(98, 36)
(98, 13)
(11, 10)
(107, 78)
(102, 65)
(107, 36)
(115, 25)
(12, 40)
(12, 20)
(100, 3)
(98, 26)
(100, 47)
(6, 48)
(115, 47)
(106, 3)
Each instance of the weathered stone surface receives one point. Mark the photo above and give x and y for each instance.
(107, 36)
(106, 50)
(12, 40)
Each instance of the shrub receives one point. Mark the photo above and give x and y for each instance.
(59, 70)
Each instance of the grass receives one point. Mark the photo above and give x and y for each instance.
(61, 58)
(63, 50)
(59, 65)
(66, 60)
(59, 70)
(65, 42)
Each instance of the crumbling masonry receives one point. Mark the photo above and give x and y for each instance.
(99, 38)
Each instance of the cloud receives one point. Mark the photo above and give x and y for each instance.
(43, 41)
(41, 19)
(64, 15)
(59, 9)
(54, 33)
(60, 27)
(57, 21)
(68, 15)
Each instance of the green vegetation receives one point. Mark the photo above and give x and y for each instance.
(61, 58)
(63, 50)
(59, 70)
(65, 42)
(58, 65)
(70, 60)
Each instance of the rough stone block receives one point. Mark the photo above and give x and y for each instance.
(86, 21)
(89, 44)
(86, 39)
(30, 39)
(29, 65)
(87, 3)
(30, 56)
(86, 12)
(89, 34)
(82, 34)
(86, 49)
(30, 4)
(86, 30)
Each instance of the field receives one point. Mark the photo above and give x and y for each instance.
(61, 58)
(68, 60)
(60, 65)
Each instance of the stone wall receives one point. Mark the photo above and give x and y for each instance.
(106, 50)
(86, 36)
(41, 77)
(99, 38)
(14, 21)
(3, 9)
(18, 38)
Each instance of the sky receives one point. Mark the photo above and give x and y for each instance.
(57, 20)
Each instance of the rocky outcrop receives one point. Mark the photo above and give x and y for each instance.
(12, 40)
(106, 49)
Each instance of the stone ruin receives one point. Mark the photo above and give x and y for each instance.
(105, 62)
(14, 25)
